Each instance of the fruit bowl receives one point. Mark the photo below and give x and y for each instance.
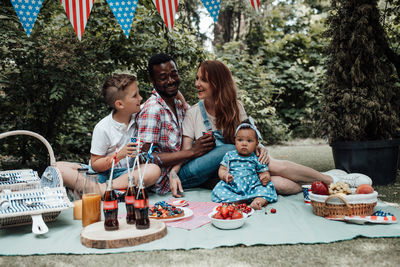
(227, 224)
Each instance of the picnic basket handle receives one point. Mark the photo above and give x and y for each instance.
(38, 136)
(340, 197)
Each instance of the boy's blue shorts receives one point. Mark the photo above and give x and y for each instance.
(102, 177)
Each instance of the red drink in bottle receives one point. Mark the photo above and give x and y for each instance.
(129, 203)
(142, 209)
(110, 208)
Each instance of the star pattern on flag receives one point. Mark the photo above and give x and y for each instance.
(27, 11)
(124, 12)
(167, 10)
(212, 7)
(255, 4)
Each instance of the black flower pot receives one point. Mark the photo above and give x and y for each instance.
(377, 159)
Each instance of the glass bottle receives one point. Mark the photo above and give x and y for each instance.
(110, 208)
(78, 191)
(142, 208)
(129, 201)
(91, 200)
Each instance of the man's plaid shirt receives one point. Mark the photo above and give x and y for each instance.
(157, 124)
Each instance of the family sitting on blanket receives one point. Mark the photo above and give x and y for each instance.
(186, 156)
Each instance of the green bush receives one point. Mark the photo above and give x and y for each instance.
(362, 92)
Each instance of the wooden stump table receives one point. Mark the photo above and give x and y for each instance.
(94, 235)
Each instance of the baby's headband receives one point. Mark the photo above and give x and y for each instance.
(251, 125)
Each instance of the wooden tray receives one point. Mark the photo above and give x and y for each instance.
(94, 235)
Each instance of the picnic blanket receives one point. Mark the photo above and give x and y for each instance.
(293, 223)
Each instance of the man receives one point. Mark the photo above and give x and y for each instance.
(160, 121)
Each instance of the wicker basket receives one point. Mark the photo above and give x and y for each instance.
(47, 194)
(339, 205)
(16, 180)
(47, 201)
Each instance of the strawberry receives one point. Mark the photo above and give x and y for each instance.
(237, 215)
(231, 208)
(224, 211)
(273, 210)
(218, 215)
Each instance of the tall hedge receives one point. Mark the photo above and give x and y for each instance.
(361, 92)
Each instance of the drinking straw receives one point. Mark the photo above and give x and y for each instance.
(127, 165)
(145, 165)
(112, 166)
(136, 163)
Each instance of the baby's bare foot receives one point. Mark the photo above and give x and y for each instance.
(258, 203)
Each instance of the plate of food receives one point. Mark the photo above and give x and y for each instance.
(166, 212)
(243, 207)
(179, 202)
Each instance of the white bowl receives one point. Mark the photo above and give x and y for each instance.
(227, 224)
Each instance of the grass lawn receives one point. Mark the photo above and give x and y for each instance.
(356, 252)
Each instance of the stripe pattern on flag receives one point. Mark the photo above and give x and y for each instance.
(27, 11)
(78, 12)
(255, 4)
(167, 10)
(124, 12)
(212, 7)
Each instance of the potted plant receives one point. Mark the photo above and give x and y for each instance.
(361, 96)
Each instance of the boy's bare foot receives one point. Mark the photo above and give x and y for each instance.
(258, 203)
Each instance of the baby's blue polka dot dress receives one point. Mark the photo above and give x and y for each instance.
(246, 184)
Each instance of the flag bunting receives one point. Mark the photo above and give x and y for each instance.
(27, 11)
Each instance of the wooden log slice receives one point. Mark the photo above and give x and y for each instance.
(94, 235)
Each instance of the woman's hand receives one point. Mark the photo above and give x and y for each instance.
(265, 178)
(175, 183)
(262, 154)
(181, 98)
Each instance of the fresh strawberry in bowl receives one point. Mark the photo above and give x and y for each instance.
(227, 219)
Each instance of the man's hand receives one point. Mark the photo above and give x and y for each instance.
(175, 184)
(262, 154)
(203, 145)
(265, 178)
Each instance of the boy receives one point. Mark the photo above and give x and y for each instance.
(112, 135)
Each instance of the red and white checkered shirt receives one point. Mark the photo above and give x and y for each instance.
(157, 124)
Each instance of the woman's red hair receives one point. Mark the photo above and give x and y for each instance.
(225, 97)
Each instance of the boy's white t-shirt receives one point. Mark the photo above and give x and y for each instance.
(193, 124)
(109, 134)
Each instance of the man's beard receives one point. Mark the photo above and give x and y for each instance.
(163, 92)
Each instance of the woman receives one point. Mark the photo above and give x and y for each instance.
(220, 111)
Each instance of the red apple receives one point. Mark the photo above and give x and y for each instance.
(319, 188)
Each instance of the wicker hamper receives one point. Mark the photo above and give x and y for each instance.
(23, 195)
(339, 205)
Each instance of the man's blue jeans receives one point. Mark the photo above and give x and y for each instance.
(195, 172)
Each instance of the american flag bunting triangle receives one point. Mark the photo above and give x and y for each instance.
(255, 4)
(167, 10)
(124, 12)
(27, 11)
(212, 7)
(78, 12)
